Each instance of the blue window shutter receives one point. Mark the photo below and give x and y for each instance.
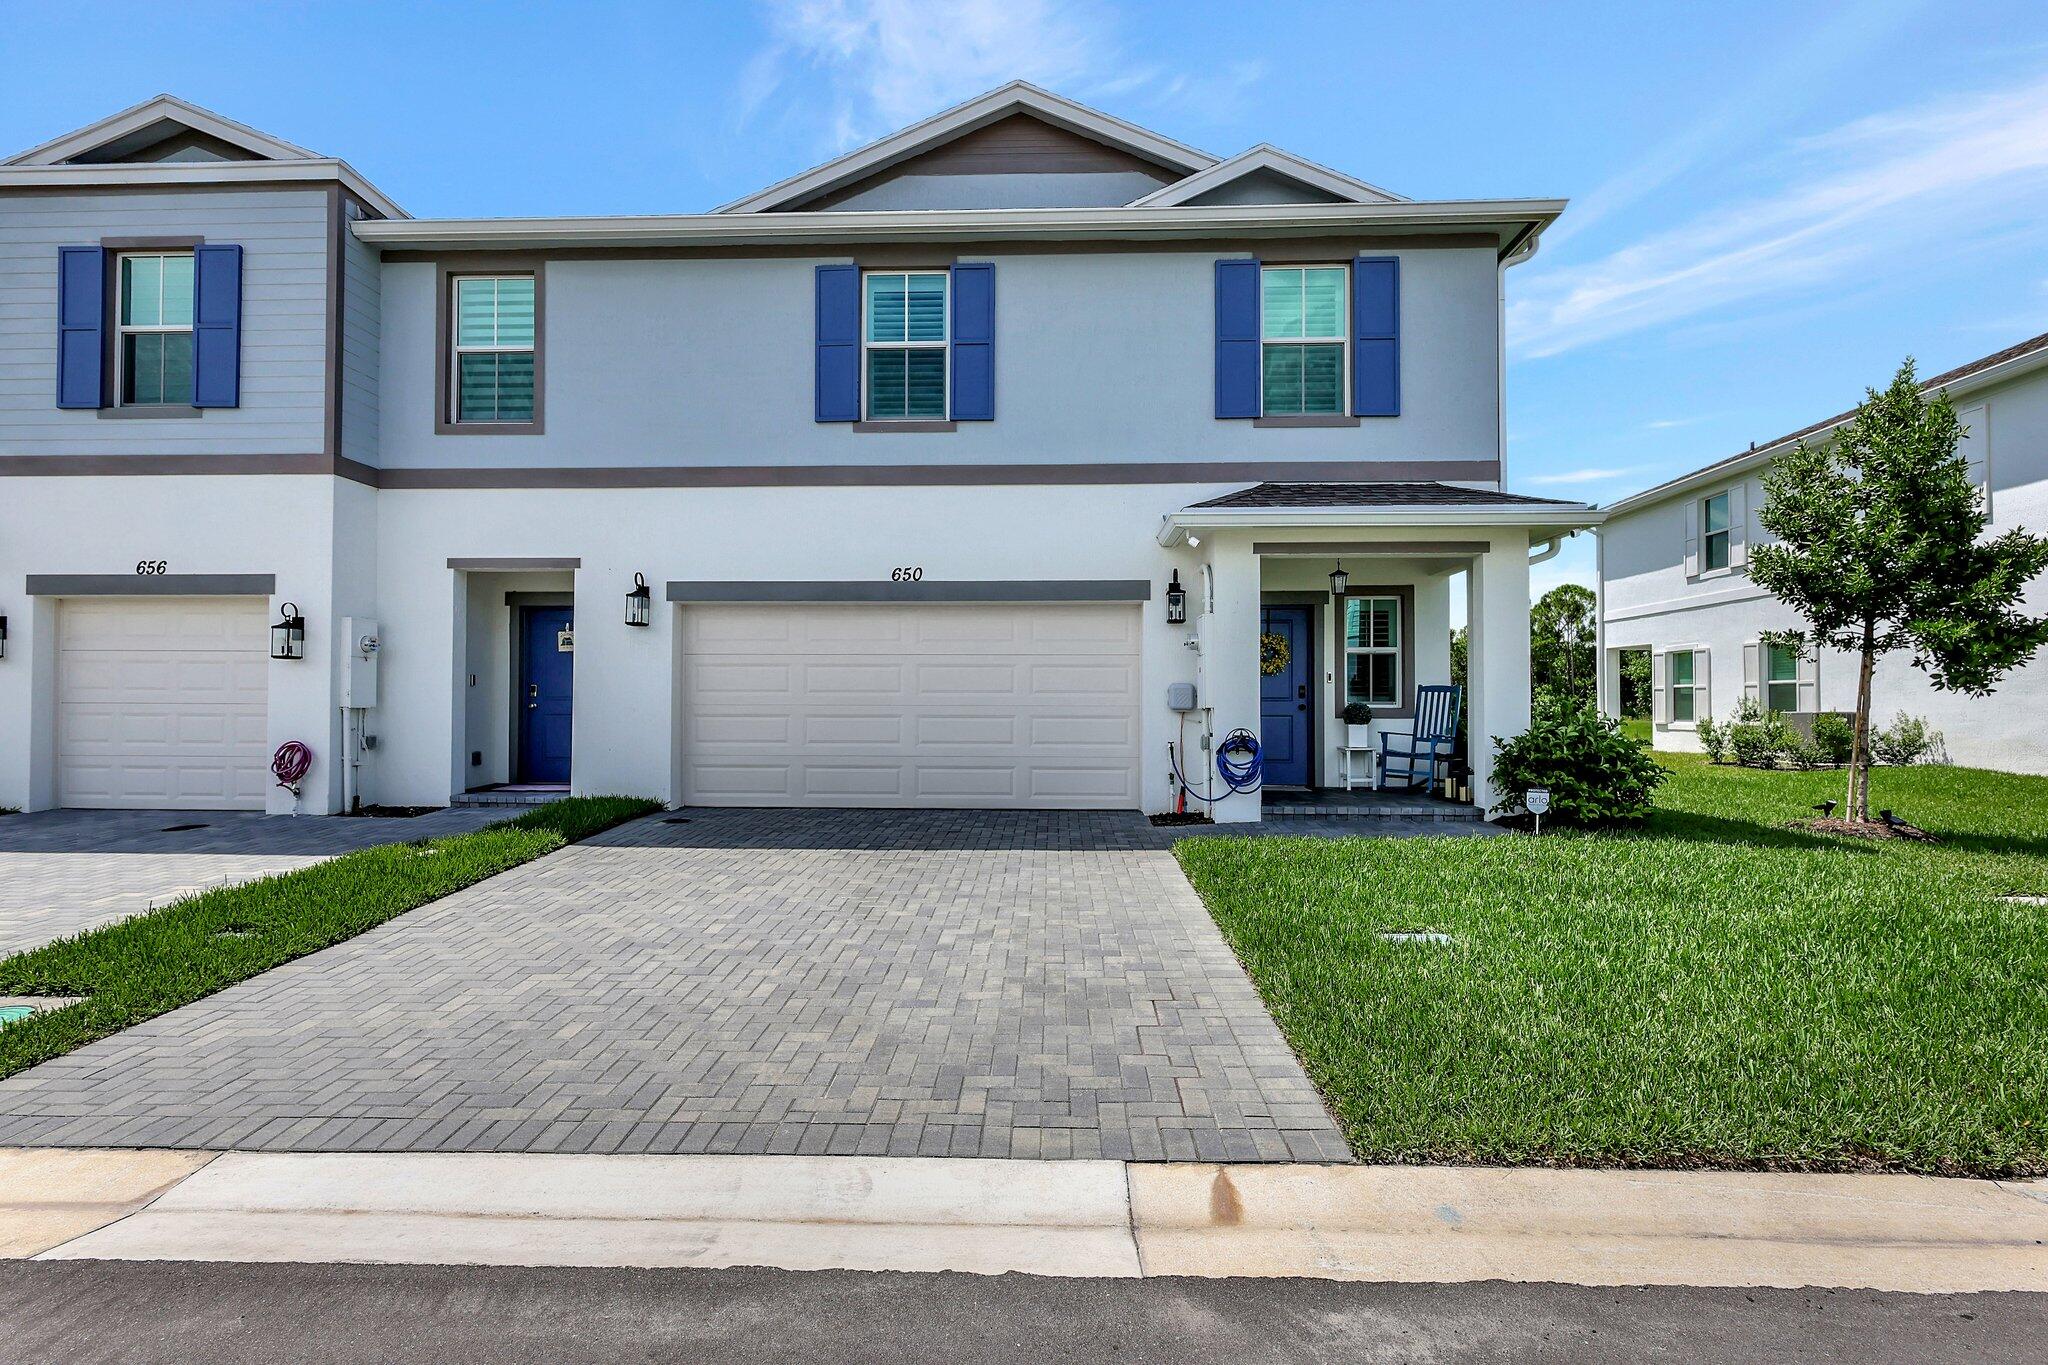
(1376, 336)
(974, 343)
(838, 375)
(217, 327)
(81, 326)
(1237, 338)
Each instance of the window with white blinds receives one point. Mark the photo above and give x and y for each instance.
(494, 348)
(904, 340)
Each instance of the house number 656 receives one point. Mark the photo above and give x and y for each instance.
(151, 566)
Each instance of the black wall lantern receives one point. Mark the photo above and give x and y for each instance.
(288, 636)
(3, 637)
(1176, 602)
(1339, 580)
(639, 603)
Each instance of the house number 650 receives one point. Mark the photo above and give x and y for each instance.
(151, 566)
(910, 573)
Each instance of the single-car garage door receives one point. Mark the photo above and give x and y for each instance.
(967, 706)
(162, 702)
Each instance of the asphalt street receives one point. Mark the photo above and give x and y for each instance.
(181, 1311)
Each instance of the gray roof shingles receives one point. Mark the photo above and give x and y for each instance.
(1375, 495)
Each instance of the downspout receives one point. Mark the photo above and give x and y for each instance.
(1551, 547)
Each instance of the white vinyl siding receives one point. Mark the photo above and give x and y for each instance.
(1372, 650)
(1302, 313)
(494, 348)
(933, 705)
(163, 703)
(904, 334)
(153, 329)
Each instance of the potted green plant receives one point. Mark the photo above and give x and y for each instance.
(1357, 725)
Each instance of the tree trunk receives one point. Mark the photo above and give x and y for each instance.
(1859, 751)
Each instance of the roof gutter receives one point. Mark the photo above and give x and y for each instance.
(1175, 526)
(144, 175)
(1516, 218)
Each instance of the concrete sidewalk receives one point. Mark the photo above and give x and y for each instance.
(1084, 1218)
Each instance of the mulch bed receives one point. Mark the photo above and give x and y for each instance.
(1865, 829)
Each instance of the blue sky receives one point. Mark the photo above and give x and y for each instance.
(1772, 203)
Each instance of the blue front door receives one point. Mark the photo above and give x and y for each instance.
(1284, 718)
(547, 692)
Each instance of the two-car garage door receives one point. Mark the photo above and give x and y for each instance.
(987, 705)
(162, 702)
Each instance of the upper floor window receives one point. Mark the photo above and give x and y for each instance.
(1372, 650)
(1714, 532)
(153, 351)
(494, 348)
(1302, 339)
(904, 345)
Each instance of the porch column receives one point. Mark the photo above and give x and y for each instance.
(1230, 667)
(1499, 654)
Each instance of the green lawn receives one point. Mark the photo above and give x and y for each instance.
(141, 967)
(1714, 990)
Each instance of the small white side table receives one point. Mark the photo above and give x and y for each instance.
(1350, 757)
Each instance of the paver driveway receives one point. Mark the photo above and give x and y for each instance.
(66, 871)
(956, 983)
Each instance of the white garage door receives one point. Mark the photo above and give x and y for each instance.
(969, 706)
(162, 702)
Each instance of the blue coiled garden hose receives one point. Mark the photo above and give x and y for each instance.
(1239, 762)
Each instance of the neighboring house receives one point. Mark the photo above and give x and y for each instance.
(1674, 580)
(907, 449)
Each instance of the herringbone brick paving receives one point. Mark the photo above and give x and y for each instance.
(959, 983)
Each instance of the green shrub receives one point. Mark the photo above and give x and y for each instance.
(1834, 736)
(1713, 739)
(1596, 774)
(1357, 713)
(1907, 741)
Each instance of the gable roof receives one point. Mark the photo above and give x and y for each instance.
(1015, 98)
(101, 155)
(141, 120)
(1271, 160)
(1963, 380)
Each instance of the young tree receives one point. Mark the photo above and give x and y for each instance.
(1561, 642)
(1880, 548)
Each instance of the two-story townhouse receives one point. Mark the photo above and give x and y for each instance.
(915, 479)
(1674, 581)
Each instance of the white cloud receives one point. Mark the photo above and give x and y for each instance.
(872, 66)
(1937, 176)
(1590, 475)
(1667, 423)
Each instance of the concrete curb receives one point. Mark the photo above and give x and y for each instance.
(1417, 1224)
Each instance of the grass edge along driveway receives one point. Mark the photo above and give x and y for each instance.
(155, 962)
(1714, 990)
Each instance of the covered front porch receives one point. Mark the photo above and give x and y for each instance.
(1305, 599)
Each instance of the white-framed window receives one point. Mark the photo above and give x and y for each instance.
(1372, 650)
(1304, 340)
(153, 329)
(1714, 532)
(1688, 684)
(903, 340)
(493, 363)
(1781, 678)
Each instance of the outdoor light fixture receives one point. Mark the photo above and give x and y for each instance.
(3, 637)
(639, 603)
(288, 636)
(1339, 580)
(1176, 602)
